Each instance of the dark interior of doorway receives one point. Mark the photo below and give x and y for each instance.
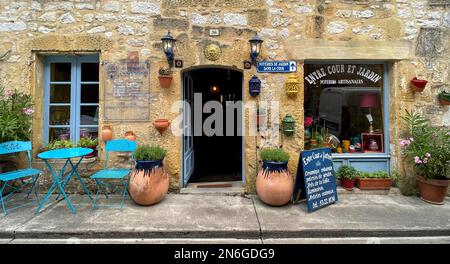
(217, 158)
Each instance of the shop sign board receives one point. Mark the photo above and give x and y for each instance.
(277, 66)
(315, 180)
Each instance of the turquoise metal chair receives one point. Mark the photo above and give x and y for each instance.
(12, 147)
(113, 174)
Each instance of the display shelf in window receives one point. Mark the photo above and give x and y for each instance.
(372, 142)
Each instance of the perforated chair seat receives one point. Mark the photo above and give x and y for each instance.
(111, 174)
(13, 175)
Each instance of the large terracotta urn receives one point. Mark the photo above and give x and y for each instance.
(149, 182)
(274, 184)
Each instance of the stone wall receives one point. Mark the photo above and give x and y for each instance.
(412, 35)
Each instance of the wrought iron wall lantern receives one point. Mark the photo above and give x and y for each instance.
(288, 125)
(292, 86)
(254, 86)
(255, 46)
(168, 46)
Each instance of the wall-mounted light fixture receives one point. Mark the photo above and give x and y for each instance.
(288, 125)
(168, 44)
(292, 86)
(214, 89)
(255, 46)
(254, 86)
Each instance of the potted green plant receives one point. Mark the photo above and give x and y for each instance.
(165, 77)
(89, 143)
(59, 144)
(444, 98)
(428, 149)
(149, 182)
(378, 180)
(274, 184)
(348, 175)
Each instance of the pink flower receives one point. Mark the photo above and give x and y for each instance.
(308, 121)
(427, 155)
(404, 142)
(417, 160)
(27, 111)
(9, 93)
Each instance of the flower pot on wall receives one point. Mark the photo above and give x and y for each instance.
(418, 85)
(433, 191)
(444, 98)
(106, 133)
(274, 185)
(149, 182)
(161, 124)
(165, 81)
(130, 135)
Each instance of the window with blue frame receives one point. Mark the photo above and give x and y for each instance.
(71, 98)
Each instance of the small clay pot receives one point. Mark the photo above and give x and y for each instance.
(106, 133)
(418, 85)
(130, 135)
(348, 184)
(165, 81)
(161, 124)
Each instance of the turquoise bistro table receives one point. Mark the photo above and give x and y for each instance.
(60, 181)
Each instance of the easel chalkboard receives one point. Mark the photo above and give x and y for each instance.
(315, 180)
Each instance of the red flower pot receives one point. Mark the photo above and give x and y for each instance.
(418, 85)
(348, 184)
(373, 184)
(165, 81)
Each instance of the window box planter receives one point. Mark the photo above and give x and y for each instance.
(373, 184)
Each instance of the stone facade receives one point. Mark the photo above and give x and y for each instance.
(411, 35)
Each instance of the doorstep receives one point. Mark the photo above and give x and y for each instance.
(392, 191)
(231, 188)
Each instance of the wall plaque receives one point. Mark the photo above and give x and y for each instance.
(212, 52)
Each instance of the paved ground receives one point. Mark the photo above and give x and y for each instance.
(187, 218)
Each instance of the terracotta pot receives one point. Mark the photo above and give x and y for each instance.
(161, 124)
(130, 135)
(373, 184)
(149, 183)
(165, 81)
(444, 99)
(432, 191)
(418, 85)
(106, 133)
(274, 185)
(348, 184)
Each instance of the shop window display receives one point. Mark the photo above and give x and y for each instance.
(344, 107)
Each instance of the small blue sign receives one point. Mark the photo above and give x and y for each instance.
(315, 180)
(277, 66)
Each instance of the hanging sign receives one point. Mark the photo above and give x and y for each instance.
(277, 66)
(315, 180)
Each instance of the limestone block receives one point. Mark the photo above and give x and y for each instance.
(336, 27)
(234, 19)
(48, 17)
(13, 26)
(149, 7)
(67, 18)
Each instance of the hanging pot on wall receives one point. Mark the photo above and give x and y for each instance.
(130, 135)
(149, 182)
(274, 185)
(418, 85)
(165, 81)
(161, 124)
(444, 98)
(106, 133)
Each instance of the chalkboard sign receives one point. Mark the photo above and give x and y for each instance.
(315, 180)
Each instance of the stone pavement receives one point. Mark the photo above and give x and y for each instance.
(187, 218)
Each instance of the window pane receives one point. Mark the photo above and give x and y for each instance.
(344, 107)
(59, 115)
(59, 133)
(89, 115)
(59, 93)
(60, 72)
(89, 72)
(89, 132)
(89, 93)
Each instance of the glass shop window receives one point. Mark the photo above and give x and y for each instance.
(344, 107)
(71, 98)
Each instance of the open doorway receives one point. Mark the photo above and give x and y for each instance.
(212, 158)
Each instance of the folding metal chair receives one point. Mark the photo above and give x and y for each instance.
(12, 147)
(113, 174)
